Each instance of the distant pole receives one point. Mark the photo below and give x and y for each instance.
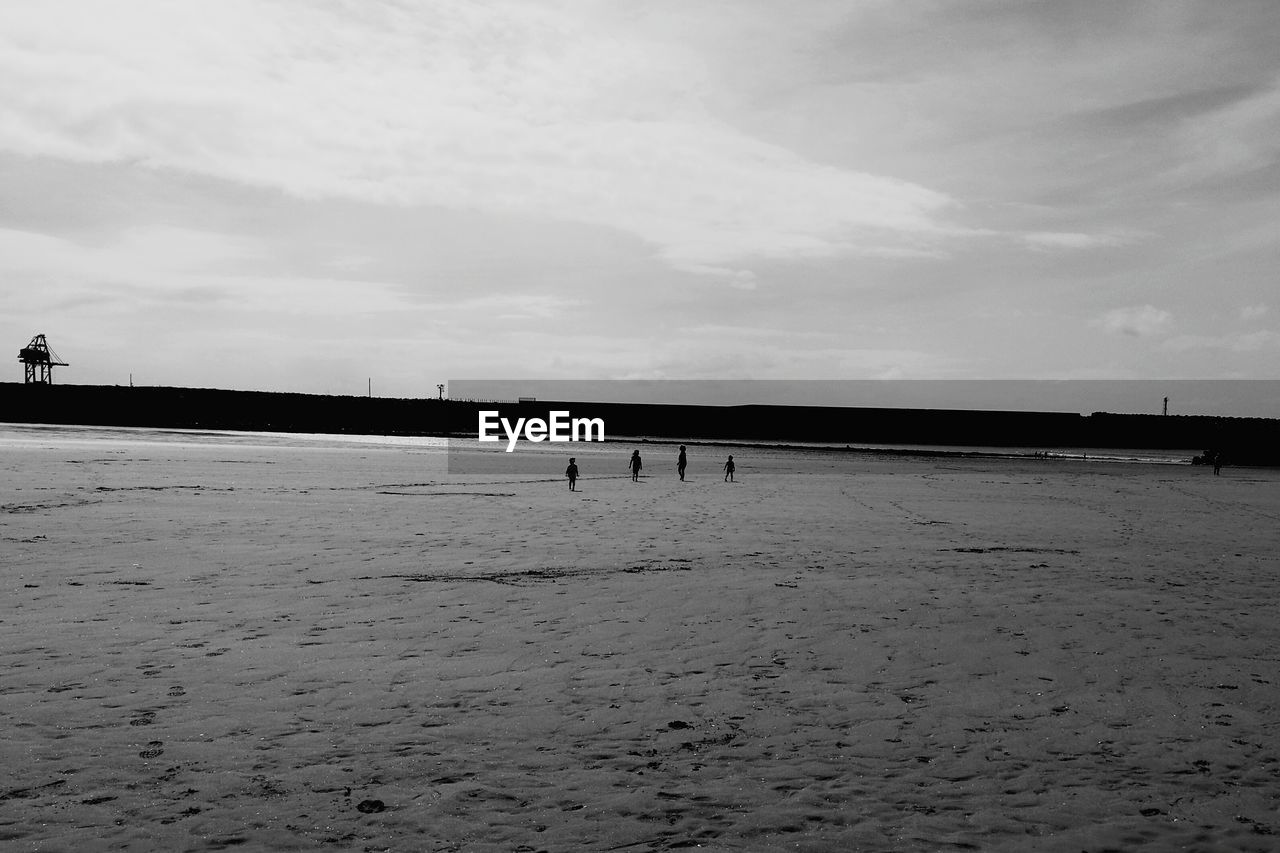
(1166, 405)
(370, 386)
(130, 380)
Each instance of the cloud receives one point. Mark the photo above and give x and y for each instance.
(504, 107)
(1241, 342)
(144, 268)
(1139, 321)
(513, 306)
(1254, 312)
(724, 331)
(741, 279)
(212, 279)
(136, 252)
(1237, 138)
(1071, 240)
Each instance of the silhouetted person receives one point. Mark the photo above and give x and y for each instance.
(681, 463)
(1217, 462)
(635, 465)
(572, 473)
(728, 469)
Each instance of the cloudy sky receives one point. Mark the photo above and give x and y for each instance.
(302, 195)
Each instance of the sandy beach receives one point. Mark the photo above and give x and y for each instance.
(215, 642)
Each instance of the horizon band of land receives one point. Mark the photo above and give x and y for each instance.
(536, 429)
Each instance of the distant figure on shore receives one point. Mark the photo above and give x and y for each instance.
(572, 473)
(681, 463)
(728, 469)
(635, 465)
(1210, 457)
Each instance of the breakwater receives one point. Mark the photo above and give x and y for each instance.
(1247, 441)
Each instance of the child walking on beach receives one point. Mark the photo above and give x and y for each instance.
(728, 469)
(681, 463)
(572, 473)
(635, 465)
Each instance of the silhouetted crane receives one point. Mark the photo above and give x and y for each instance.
(38, 361)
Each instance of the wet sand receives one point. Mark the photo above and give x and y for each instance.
(312, 646)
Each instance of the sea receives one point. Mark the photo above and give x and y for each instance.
(15, 436)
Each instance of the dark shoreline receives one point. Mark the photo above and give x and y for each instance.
(1244, 441)
(906, 451)
(959, 452)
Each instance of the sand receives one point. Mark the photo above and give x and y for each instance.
(209, 643)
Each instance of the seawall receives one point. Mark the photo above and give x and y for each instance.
(1254, 441)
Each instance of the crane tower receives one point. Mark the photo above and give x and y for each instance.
(38, 361)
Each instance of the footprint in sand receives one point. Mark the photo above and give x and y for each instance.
(154, 749)
(176, 690)
(144, 719)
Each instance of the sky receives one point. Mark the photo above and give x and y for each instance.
(328, 196)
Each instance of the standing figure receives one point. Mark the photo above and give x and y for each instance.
(681, 463)
(728, 469)
(572, 473)
(635, 465)
(1217, 462)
